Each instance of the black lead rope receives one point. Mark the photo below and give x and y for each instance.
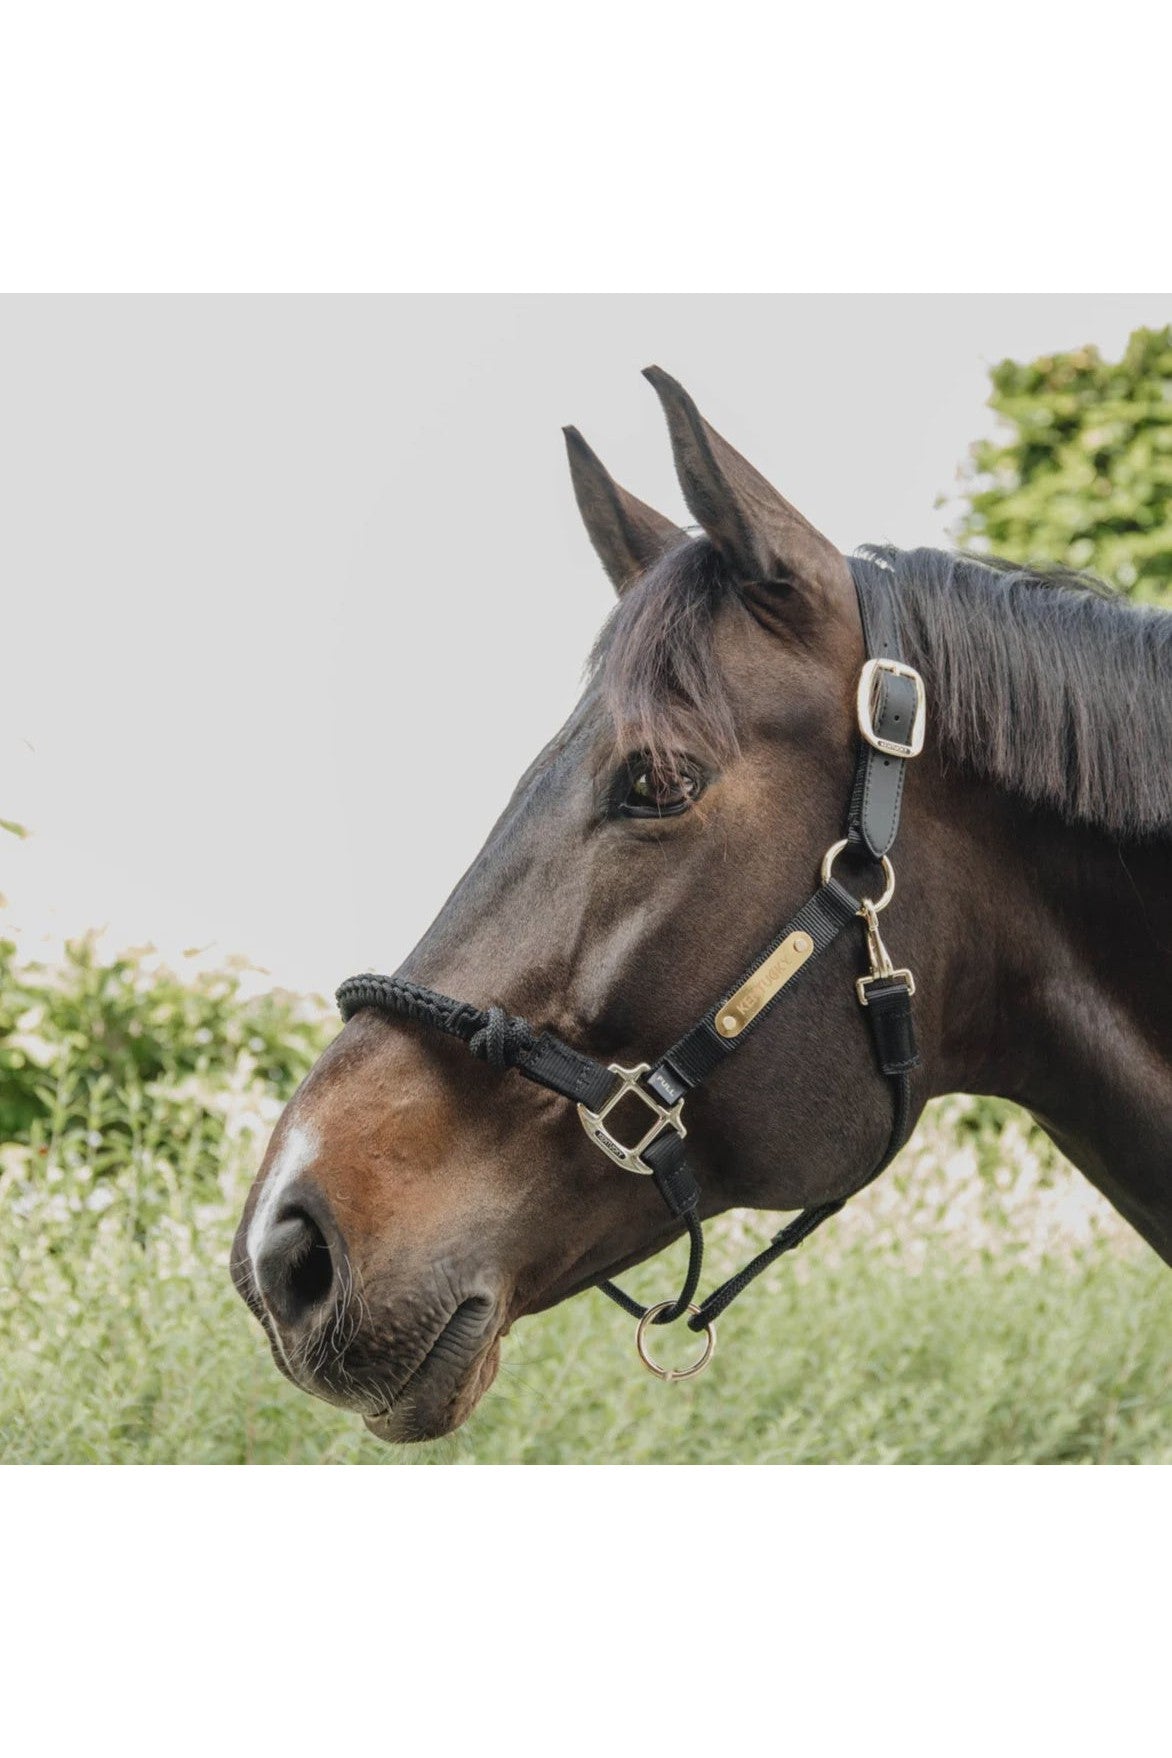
(891, 725)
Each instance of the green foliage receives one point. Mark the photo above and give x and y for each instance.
(1084, 477)
(72, 1036)
(977, 1304)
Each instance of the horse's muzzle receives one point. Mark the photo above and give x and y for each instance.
(410, 1347)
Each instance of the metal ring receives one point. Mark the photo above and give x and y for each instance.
(832, 854)
(673, 1373)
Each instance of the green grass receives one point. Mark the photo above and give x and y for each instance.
(856, 1359)
(979, 1304)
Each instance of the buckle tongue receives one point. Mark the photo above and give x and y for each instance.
(665, 1117)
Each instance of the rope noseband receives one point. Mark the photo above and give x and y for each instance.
(890, 708)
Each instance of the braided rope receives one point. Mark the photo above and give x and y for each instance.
(491, 1034)
(676, 1308)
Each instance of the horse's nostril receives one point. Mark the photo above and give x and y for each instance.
(295, 1269)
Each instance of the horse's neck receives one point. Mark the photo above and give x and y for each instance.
(1080, 1004)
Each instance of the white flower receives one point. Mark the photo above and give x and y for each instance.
(33, 1048)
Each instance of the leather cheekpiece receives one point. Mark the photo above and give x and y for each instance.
(877, 794)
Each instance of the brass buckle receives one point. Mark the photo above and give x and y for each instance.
(865, 708)
(666, 1117)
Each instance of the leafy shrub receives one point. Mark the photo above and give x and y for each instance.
(117, 1057)
(1083, 475)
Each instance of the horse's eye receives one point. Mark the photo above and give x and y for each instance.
(657, 790)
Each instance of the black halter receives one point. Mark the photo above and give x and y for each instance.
(890, 707)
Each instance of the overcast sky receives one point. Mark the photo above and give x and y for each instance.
(295, 588)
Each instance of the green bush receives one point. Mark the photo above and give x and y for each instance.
(112, 1049)
(1083, 476)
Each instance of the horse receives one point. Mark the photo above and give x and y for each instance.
(415, 1201)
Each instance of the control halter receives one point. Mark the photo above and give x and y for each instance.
(891, 722)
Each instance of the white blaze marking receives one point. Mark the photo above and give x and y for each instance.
(297, 1151)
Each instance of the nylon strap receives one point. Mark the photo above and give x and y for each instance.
(701, 1049)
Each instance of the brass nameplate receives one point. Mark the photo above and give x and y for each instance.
(762, 986)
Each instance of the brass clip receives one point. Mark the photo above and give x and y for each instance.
(882, 968)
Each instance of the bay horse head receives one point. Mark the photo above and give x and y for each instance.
(414, 1201)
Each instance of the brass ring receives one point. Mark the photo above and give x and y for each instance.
(832, 854)
(673, 1373)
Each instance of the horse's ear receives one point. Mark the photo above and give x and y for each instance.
(760, 536)
(628, 535)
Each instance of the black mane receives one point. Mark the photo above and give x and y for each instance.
(1043, 681)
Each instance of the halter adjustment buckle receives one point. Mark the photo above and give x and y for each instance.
(665, 1117)
(865, 702)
